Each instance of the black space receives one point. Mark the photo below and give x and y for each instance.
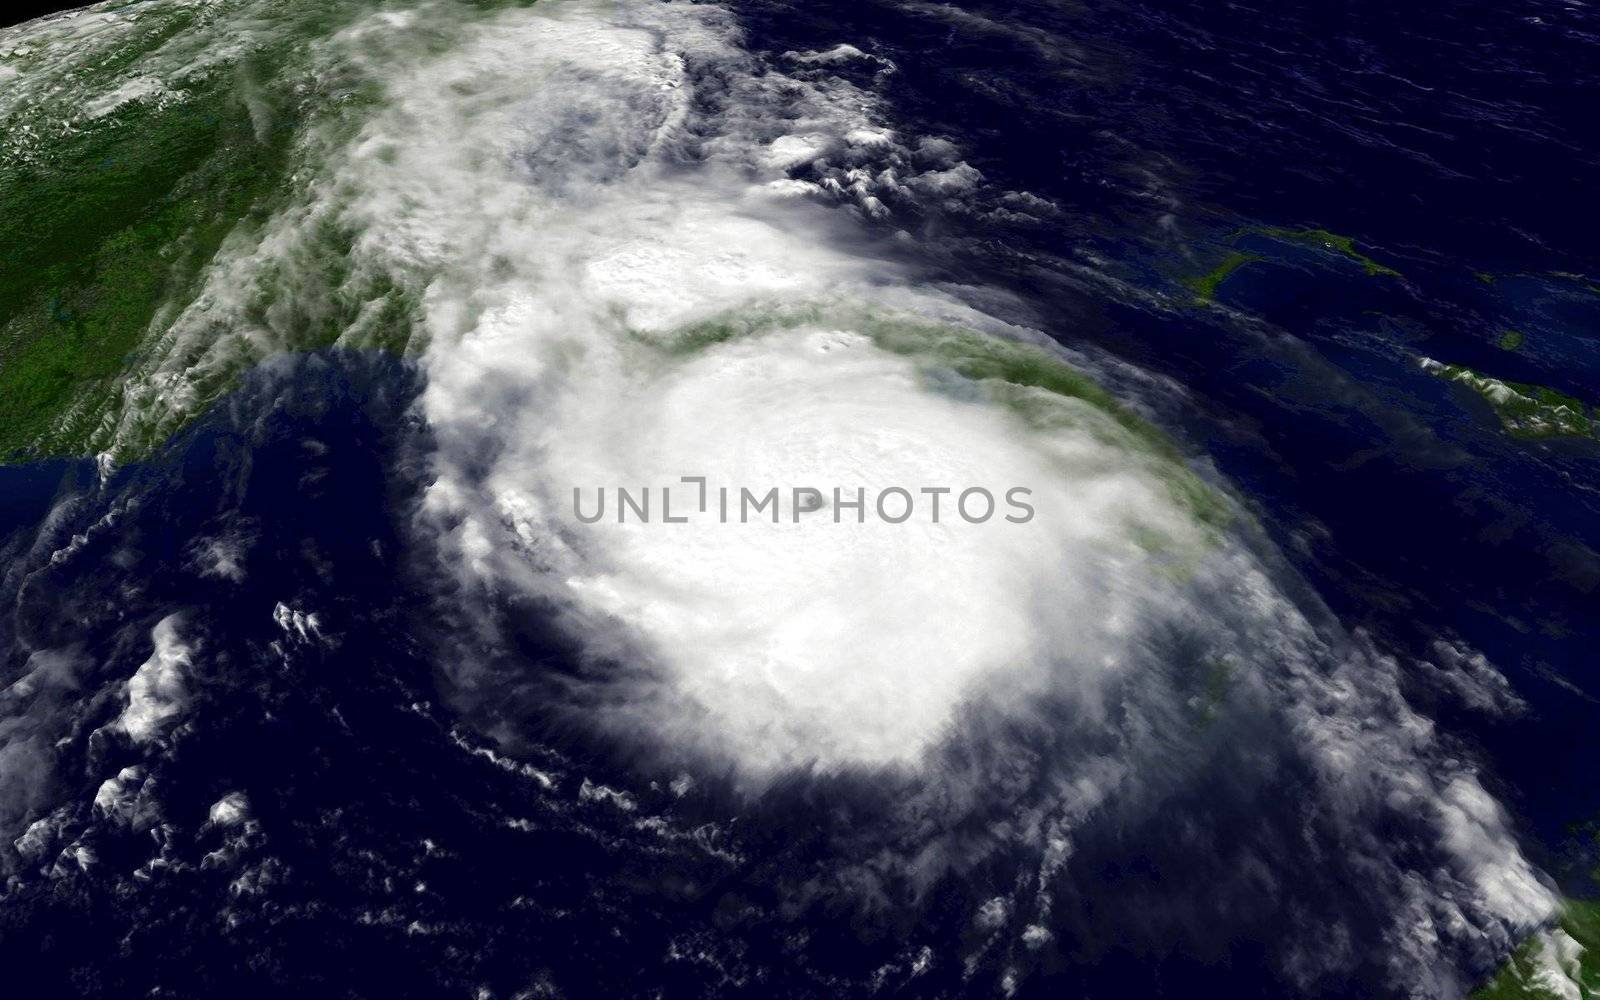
(27, 10)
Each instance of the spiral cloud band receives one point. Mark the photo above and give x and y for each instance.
(796, 523)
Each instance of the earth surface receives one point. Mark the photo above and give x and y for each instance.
(314, 314)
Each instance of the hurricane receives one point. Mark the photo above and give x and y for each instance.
(593, 498)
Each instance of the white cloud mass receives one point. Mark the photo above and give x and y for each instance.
(637, 252)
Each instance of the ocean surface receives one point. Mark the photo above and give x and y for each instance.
(364, 773)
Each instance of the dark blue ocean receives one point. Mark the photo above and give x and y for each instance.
(1455, 144)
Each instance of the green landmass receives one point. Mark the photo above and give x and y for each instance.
(134, 173)
(1585, 282)
(122, 221)
(110, 221)
(1536, 970)
(1510, 340)
(1042, 389)
(1588, 283)
(1205, 285)
(728, 326)
(1048, 393)
(1551, 964)
(1216, 676)
(1531, 411)
(1325, 240)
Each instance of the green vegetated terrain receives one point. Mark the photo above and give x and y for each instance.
(115, 224)
(1570, 279)
(1530, 411)
(1535, 971)
(1042, 389)
(1564, 961)
(140, 154)
(1205, 285)
(117, 194)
